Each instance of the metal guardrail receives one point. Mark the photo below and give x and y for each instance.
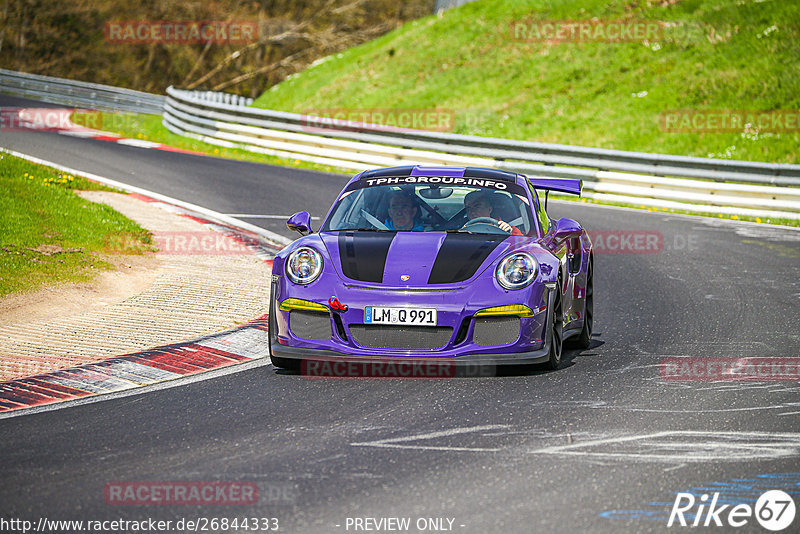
(79, 94)
(720, 186)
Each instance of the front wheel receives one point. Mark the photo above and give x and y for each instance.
(277, 361)
(556, 331)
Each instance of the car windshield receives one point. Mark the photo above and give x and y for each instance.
(501, 208)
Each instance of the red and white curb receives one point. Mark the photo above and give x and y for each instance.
(114, 138)
(231, 347)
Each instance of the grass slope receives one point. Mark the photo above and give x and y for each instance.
(716, 55)
(50, 235)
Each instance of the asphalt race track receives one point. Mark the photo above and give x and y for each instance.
(602, 445)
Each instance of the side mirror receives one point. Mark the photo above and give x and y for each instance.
(300, 222)
(567, 229)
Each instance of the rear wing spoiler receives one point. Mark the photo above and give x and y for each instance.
(562, 185)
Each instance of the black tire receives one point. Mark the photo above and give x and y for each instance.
(556, 331)
(583, 340)
(277, 361)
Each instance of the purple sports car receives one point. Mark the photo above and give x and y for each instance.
(456, 264)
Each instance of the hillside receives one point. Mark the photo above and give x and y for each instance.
(488, 65)
(76, 40)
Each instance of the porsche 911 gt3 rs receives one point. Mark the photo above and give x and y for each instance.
(455, 264)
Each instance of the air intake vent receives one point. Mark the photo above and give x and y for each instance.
(401, 337)
(310, 325)
(496, 330)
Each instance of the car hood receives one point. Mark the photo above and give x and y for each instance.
(413, 259)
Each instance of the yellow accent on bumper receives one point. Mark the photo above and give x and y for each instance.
(516, 310)
(299, 304)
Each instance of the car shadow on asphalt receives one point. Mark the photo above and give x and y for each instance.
(568, 359)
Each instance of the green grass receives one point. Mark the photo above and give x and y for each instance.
(49, 235)
(718, 55)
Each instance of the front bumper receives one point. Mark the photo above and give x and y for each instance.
(465, 360)
(456, 309)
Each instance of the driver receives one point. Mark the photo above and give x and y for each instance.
(403, 213)
(478, 204)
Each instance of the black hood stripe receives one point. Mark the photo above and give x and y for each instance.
(363, 254)
(461, 255)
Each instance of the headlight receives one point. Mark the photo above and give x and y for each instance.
(304, 265)
(517, 270)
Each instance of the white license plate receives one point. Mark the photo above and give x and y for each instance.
(400, 316)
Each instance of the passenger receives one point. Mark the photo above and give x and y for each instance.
(403, 213)
(478, 204)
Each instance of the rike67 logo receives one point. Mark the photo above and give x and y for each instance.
(774, 510)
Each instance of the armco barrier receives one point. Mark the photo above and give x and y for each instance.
(78, 94)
